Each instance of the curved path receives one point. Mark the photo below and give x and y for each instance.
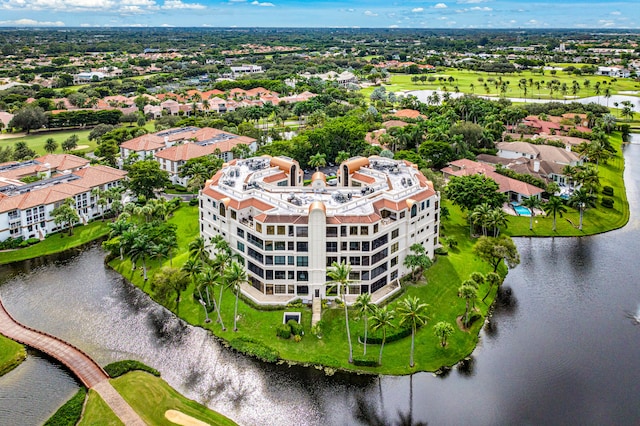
(80, 364)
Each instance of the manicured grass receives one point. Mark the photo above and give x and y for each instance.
(36, 141)
(70, 412)
(439, 291)
(464, 79)
(596, 220)
(55, 243)
(11, 354)
(97, 412)
(151, 397)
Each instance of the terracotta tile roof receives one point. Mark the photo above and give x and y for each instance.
(144, 143)
(363, 178)
(394, 123)
(184, 152)
(275, 177)
(408, 113)
(98, 175)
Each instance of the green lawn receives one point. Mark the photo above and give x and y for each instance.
(55, 243)
(439, 291)
(37, 140)
(464, 79)
(11, 354)
(97, 412)
(596, 220)
(151, 397)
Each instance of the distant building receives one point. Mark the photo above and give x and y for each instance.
(238, 71)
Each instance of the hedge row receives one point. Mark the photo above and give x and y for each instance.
(70, 412)
(400, 334)
(118, 368)
(255, 348)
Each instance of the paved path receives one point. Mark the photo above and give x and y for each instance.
(80, 364)
(316, 309)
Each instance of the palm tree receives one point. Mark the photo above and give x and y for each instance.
(554, 206)
(497, 218)
(582, 200)
(382, 320)
(339, 274)
(479, 216)
(234, 276)
(220, 263)
(588, 177)
(531, 203)
(412, 312)
(417, 260)
(468, 293)
(493, 279)
(211, 278)
(51, 145)
(318, 160)
(198, 249)
(364, 306)
(443, 330)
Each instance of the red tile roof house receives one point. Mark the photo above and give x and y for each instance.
(25, 209)
(204, 142)
(515, 189)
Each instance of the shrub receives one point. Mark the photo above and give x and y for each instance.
(23, 244)
(193, 202)
(365, 362)
(296, 328)
(254, 348)
(607, 202)
(118, 368)
(607, 190)
(70, 412)
(391, 337)
(450, 242)
(283, 331)
(297, 338)
(32, 241)
(441, 251)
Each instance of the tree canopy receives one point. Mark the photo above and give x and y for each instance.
(467, 192)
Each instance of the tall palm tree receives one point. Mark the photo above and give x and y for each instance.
(339, 274)
(234, 276)
(531, 203)
(497, 218)
(468, 293)
(198, 249)
(555, 207)
(480, 215)
(208, 279)
(318, 160)
(412, 313)
(364, 306)
(582, 200)
(220, 263)
(382, 319)
(589, 178)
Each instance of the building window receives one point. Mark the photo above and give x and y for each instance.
(302, 231)
(331, 259)
(268, 260)
(343, 246)
(394, 247)
(270, 230)
(302, 246)
(303, 276)
(364, 230)
(365, 260)
(394, 275)
(343, 231)
(240, 233)
(291, 275)
(268, 245)
(280, 275)
(240, 246)
(302, 290)
(268, 275)
(414, 210)
(332, 247)
(365, 245)
(354, 260)
(280, 260)
(254, 240)
(378, 270)
(353, 230)
(332, 231)
(379, 256)
(403, 214)
(280, 245)
(375, 228)
(233, 214)
(354, 246)
(302, 261)
(290, 260)
(255, 255)
(395, 233)
(380, 241)
(281, 230)
(394, 261)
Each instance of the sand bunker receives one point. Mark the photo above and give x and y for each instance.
(183, 419)
(80, 147)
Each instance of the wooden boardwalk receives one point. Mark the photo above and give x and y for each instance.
(80, 364)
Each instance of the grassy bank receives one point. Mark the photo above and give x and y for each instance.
(56, 243)
(439, 291)
(11, 354)
(151, 397)
(596, 220)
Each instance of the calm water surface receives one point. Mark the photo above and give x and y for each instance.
(560, 349)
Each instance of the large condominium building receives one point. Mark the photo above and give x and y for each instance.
(26, 206)
(288, 234)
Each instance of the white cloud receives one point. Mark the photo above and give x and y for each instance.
(532, 22)
(178, 4)
(440, 6)
(616, 13)
(417, 9)
(237, 1)
(370, 13)
(264, 4)
(470, 1)
(32, 23)
(393, 26)
(606, 22)
(167, 25)
(483, 9)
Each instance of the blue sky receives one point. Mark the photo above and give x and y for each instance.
(322, 13)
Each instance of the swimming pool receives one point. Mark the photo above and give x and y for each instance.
(520, 210)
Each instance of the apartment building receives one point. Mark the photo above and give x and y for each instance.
(25, 207)
(288, 233)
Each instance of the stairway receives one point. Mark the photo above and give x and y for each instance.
(316, 309)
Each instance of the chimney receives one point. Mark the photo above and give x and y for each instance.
(536, 166)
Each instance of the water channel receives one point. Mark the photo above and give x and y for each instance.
(561, 349)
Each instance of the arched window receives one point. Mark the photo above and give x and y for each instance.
(223, 210)
(414, 210)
